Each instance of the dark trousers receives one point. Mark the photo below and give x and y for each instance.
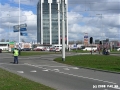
(16, 59)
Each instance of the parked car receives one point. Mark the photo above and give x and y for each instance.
(52, 49)
(90, 48)
(118, 49)
(26, 49)
(47, 48)
(0, 50)
(38, 49)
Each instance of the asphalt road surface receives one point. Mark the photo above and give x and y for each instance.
(44, 70)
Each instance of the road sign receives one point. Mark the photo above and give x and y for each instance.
(23, 34)
(23, 25)
(23, 29)
(16, 28)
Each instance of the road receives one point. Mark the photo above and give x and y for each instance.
(44, 70)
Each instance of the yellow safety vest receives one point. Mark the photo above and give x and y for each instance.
(16, 53)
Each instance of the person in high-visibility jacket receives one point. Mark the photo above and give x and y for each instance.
(15, 53)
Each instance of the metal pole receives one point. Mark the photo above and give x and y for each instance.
(63, 32)
(19, 24)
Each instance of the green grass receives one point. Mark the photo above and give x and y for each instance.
(104, 62)
(81, 51)
(10, 81)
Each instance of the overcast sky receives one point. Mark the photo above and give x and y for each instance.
(100, 19)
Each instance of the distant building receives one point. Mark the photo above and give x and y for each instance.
(49, 22)
(4, 45)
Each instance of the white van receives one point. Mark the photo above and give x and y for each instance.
(90, 48)
(57, 47)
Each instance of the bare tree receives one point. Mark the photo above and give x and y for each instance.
(23, 40)
(2, 40)
(7, 40)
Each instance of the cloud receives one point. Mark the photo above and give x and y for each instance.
(99, 18)
(9, 17)
(27, 2)
(94, 17)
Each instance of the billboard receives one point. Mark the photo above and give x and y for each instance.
(86, 39)
(23, 34)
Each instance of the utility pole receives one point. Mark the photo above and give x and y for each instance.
(19, 25)
(63, 32)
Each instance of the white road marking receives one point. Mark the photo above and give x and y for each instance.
(57, 70)
(51, 66)
(87, 78)
(46, 70)
(20, 71)
(66, 68)
(74, 67)
(33, 71)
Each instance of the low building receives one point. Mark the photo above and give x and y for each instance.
(4, 45)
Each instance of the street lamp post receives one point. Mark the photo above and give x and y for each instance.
(63, 32)
(8, 27)
(19, 26)
(101, 27)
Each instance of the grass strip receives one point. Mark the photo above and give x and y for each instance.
(10, 81)
(104, 62)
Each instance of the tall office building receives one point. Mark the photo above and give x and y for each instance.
(49, 22)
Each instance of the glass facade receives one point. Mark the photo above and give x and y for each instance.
(54, 19)
(48, 22)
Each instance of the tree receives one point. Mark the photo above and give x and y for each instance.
(7, 40)
(23, 40)
(2, 40)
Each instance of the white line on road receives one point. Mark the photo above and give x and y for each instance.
(20, 71)
(33, 71)
(87, 77)
(57, 70)
(46, 70)
(66, 68)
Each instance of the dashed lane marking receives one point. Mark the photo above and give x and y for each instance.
(57, 70)
(33, 71)
(20, 71)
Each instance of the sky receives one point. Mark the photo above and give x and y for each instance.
(100, 19)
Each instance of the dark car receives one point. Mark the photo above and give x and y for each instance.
(0, 50)
(26, 49)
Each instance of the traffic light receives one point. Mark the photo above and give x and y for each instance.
(21, 34)
(91, 40)
(100, 42)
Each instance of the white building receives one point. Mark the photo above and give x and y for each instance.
(49, 22)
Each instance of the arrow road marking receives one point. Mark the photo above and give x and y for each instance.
(57, 70)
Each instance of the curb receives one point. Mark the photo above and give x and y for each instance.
(99, 70)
